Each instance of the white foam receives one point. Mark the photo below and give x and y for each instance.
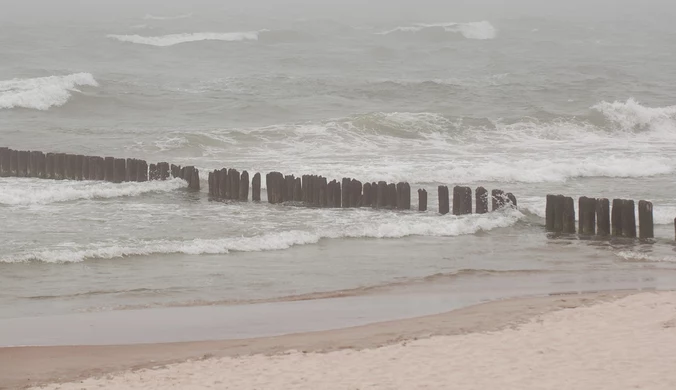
(385, 225)
(43, 92)
(631, 115)
(175, 39)
(176, 17)
(473, 30)
(40, 192)
(635, 256)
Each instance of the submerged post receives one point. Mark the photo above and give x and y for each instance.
(481, 195)
(498, 197)
(603, 217)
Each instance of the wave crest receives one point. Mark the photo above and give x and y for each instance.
(394, 226)
(43, 92)
(30, 192)
(175, 39)
(631, 115)
(473, 30)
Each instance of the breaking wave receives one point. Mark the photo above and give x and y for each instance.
(473, 30)
(408, 225)
(43, 92)
(30, 192)
(175, 39)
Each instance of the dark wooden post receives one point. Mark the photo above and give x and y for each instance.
(569, 215)
(86, 170)
(304, 184)
(60, 166)
(142, 167)
(132, 170)
(511, 199)
(337, 193)
(355, 193)
(345, 196)
(195, 180)
(244, 186)
(403, 196)
(163, 170)
(222, 180)
(422, 200)
(391, 196)
(587, 216)
(603, 217)
(289, 187)
(41, 165)
(550, 213)
(559, 210)
(498, 197)
(78, 161)
(120, 170)
(153, 174)
(444, 206)
(100, 168)
(331, 194)
(32, 162)
(23, 163)
(256, 187)
(109, 170)
(186, 174)
(234, 184)
(210, 181)
(298, 190)
(462, 200)
(628, 219)
(645, 219)
(70, 167)
(49, 166)
(13, 163)
(367, 196)
(616, 218)
(323, 192)
(4, 162)
(481, 195)
(175, 170)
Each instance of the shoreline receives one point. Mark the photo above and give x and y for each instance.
(22, 367)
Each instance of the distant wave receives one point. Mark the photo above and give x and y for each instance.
(175, 39)
(634, 256)
(43, 92)
(153, 17)
(473, 30)
(29, 192)
(395, 227)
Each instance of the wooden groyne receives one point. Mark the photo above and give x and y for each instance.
(230, 184)
(595, 217)
(64, 166)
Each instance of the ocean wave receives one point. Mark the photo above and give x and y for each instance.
(473, 30)
(632, 116)
(396, 227)
(39, 192)
(153, 17)
(634, 256)
(175, 39)
(43, 92)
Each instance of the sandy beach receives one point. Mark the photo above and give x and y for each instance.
(610, 340)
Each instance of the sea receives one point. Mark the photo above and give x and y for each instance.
(533, 102)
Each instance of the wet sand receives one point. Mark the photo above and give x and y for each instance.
(29, 366)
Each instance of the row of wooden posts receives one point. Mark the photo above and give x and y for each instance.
(595, 217)
(318, 191)
(63, 166)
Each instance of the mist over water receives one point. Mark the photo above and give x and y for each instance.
(533, 97)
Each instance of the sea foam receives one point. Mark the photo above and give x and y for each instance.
(43, 92)
(39, 192)
(392, 226)
(175, 39)
(473, 30)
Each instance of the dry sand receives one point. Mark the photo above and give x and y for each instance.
(622, 341)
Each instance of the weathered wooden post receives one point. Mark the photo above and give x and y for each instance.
(186, 173)
(175, 170)
(235, 184)
(337, 193)
(298, 190)
(40, 165)
(49, 166)
(120, 170)
(323, 192)
(568, 215)
(481, 195)
(367, 195)
(550, 213)
(331, 194)
(628, 219)
(498, 197)
(142, 167)
(616, 218)
(511, 199)
(559, 211)
(78, 162)
(290, 183)
(403, 196)
(244, 186)
(13, 163)
(444, 201)
(32, 162)
(462, 200)
(222, 180)
(86, 170)
(100, 168)
(210, 181)
(4, 162)
(391, 196)
(163, 170)
(603, 217)
(645, 219)
(70, 167)
(422, 200)
(268, 187)
(256, 187)
(195, 180)
(60, 166)
(132, 170)
(355, 193)
(345, 195)
(109, 168)
(153, 174)
(23, 163)
(587, 216)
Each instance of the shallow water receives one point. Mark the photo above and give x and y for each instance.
(531, 105)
